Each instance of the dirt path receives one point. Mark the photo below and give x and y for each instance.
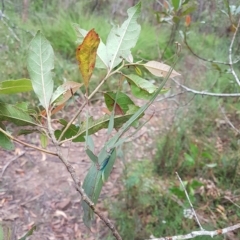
(36, 189)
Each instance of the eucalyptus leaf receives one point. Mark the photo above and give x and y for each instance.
(122, 39)
(176, 4)
(93, 126)
(102, 59)
(40, 64)
(16, 115)
(140, 87)
(44, 140)
(122, 100)
(5, 142)
(15, 86)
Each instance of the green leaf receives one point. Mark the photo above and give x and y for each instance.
(15, 86)
(188, 10)
(177, 192)
(138, 71)
(102, 59)
(44, 140)
(140, 87)
(26, 131)
(23, 106)
(1, 232)
(176, 4)
(122, 100)
(93, 126)
(121, 39)
(5, 142)
(189, 161)
(40, 63)
(6, 231)
(14, 114)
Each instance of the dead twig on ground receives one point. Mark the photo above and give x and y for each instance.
(9, 162)
(194, 234)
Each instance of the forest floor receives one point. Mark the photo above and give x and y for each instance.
(36, 189)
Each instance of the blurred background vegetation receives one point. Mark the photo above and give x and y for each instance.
(199, 143)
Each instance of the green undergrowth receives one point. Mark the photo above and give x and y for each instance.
(204, 152)
(153, 205)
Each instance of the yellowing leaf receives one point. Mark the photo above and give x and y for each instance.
(159, 69)
(86, 55)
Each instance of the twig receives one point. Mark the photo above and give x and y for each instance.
(187, 89)
(227, 198)
(32, 199)
(204, 59)
(104, 80)
(170, 96)
(195, 215)
(228, 121)
(77, 182)
(10, 29)
(27, 144)
(8, 163)
(201, 233)
(230, 54)
(71, 121)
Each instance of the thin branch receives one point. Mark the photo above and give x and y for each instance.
(194, 234)
(71, 121)
(193, 211)
(187, 89)
(227, 198)
(104, 80)
(10, 29)
(77, 182)
(27, 144)
(170, 96)
(202, 232)
(230, 54)
(8, 163)
(205, 59)
(228, 121)
(86, 199)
